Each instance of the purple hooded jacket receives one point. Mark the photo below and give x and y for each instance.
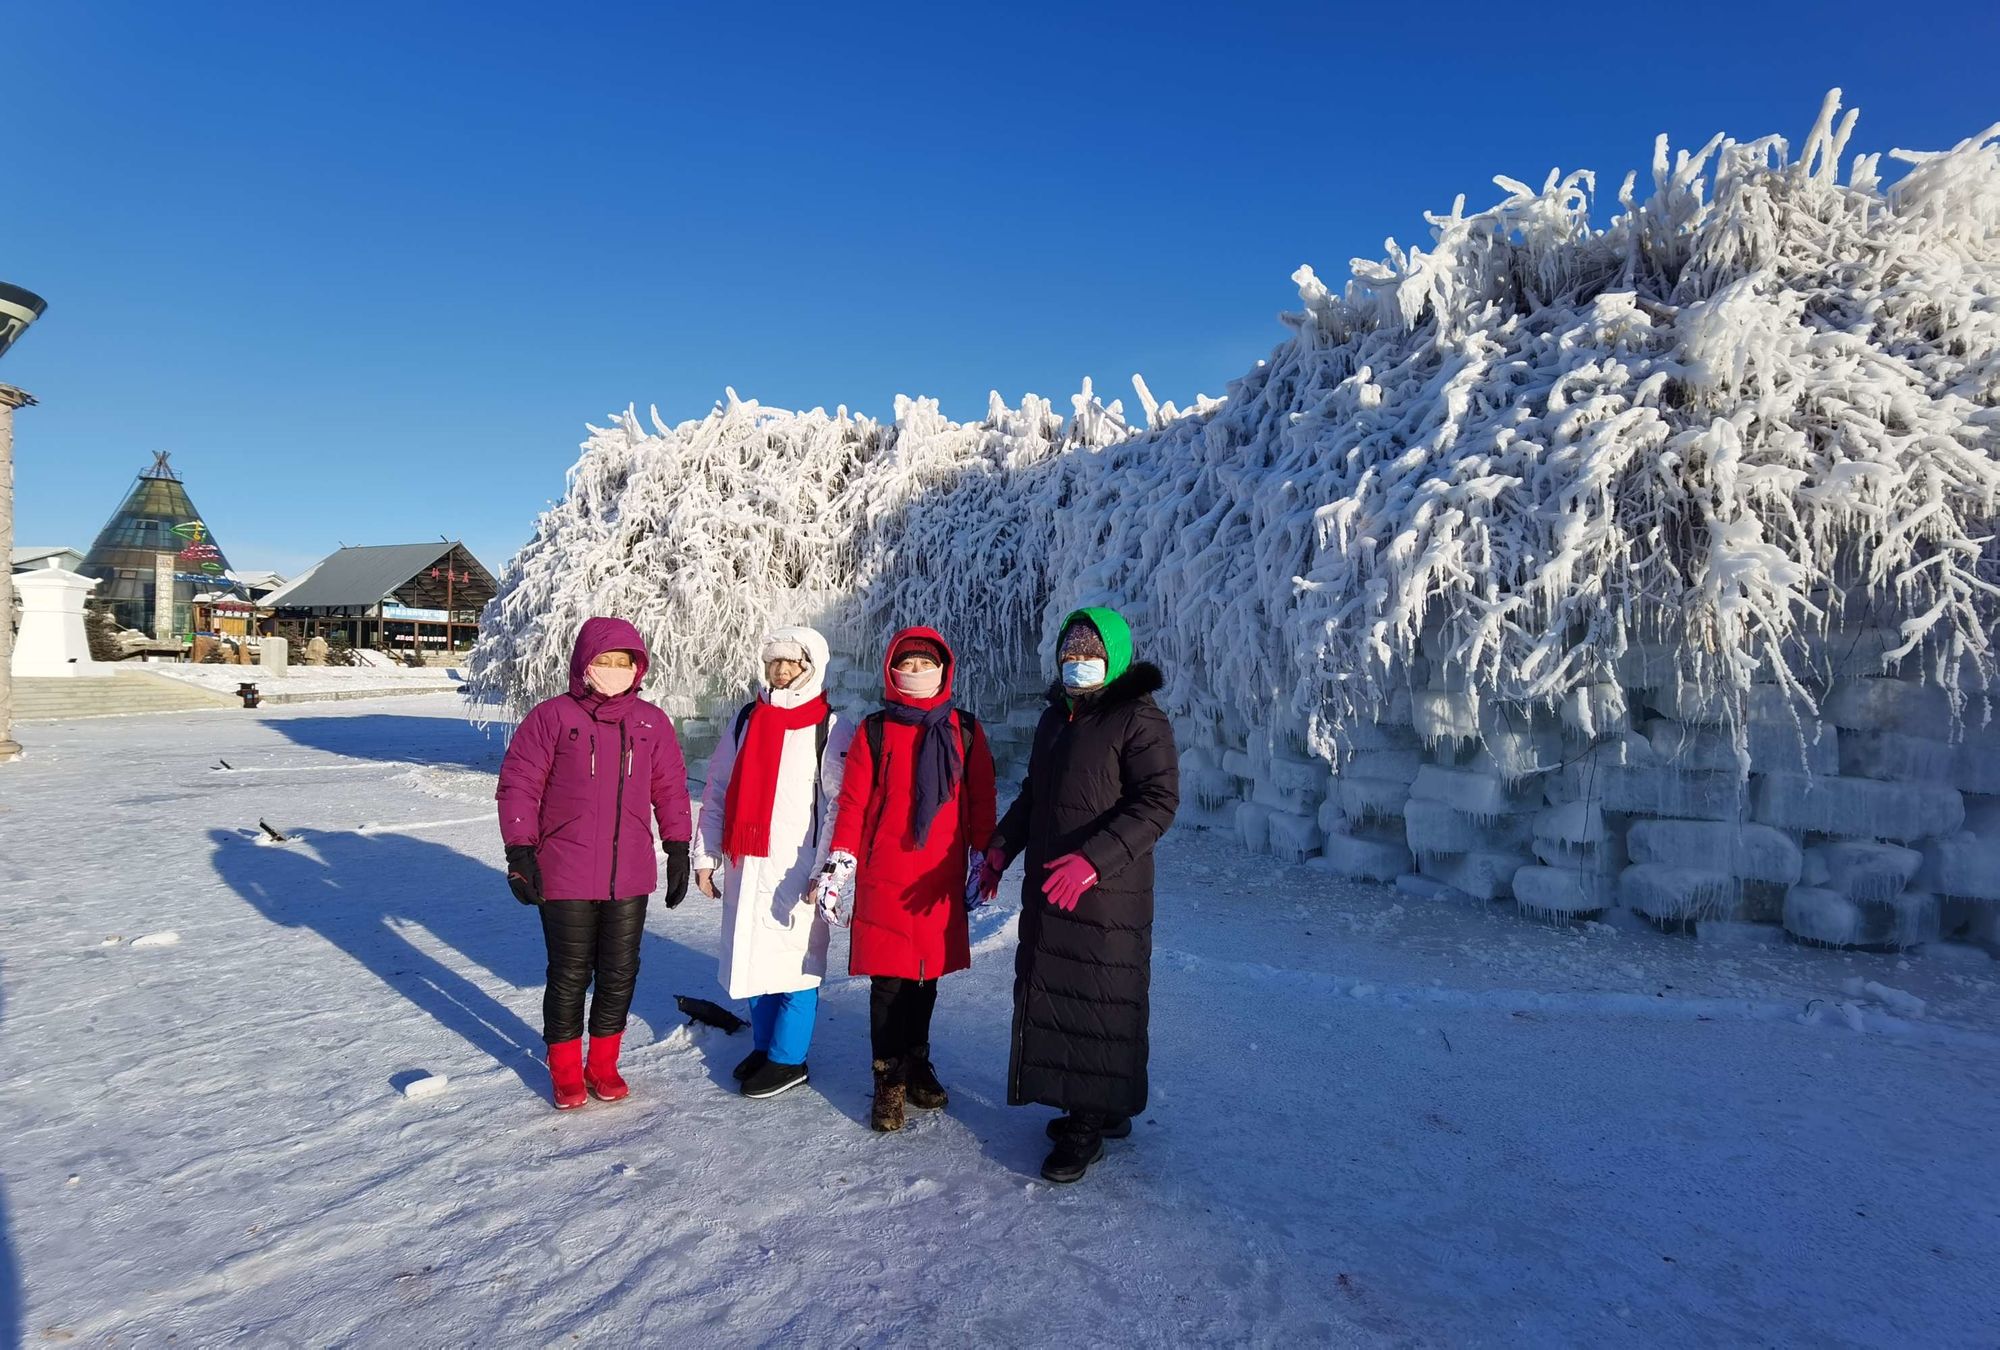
(581, 772)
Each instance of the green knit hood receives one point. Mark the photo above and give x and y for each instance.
(1117, 635)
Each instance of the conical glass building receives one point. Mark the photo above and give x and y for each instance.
(157, 518)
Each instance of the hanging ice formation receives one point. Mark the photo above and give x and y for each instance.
(1550, 527)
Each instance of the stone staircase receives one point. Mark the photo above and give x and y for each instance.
(61, 700)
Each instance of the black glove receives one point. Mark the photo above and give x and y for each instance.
(677, 871)
(524, 874)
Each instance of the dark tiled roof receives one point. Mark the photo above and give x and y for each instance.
(356, 578)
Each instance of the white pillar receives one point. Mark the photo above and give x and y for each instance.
(10, 399)
(52, 640)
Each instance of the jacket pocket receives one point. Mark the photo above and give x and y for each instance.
(777, 916)
(555, 832)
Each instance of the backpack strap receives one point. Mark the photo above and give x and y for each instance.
(821, 730)
(743, 720)
(967, 725)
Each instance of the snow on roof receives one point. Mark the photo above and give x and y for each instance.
(24, 557)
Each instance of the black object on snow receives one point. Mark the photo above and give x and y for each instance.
(714, 1015)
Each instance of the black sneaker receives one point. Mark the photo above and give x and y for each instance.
(771, 1078)
(1114, 1127)
(1072, 1157)
(752, 1062)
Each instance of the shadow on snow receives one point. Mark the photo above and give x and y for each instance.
(366, 894)
(398, 738)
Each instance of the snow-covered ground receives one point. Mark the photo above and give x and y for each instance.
(1375, 1121)
(344, 680)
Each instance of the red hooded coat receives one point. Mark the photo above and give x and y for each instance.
(583, 772)
(909, 899)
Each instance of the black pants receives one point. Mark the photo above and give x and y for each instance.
(586, 939)
(899, 1016)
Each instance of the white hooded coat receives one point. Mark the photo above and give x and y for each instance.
(773, 940)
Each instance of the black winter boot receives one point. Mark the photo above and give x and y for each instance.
(921, 1081)
(752, 1062)
(1075, 1150)
(1114, 1127)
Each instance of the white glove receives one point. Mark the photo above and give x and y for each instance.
(833, 893)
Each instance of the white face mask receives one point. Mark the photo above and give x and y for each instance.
(1082, 674)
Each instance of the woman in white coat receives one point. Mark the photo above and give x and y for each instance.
(766, 821)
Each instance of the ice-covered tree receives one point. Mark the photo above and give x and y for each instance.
(1754, 407)
(1753, 414)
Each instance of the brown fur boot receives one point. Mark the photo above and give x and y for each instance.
(887, 1113)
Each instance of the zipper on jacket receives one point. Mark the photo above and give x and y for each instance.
(617, 819)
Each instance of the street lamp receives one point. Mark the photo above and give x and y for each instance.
(18, 309)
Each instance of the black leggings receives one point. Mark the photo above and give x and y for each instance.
(586, 938)
(899, 1016)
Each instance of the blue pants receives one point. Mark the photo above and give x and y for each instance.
(782, 1024)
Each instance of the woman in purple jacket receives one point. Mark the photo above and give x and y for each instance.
(579, 777)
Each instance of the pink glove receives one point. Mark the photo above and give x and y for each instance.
(1069, 877)
(990, 868)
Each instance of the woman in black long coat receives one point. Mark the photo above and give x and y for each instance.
(1103, 784)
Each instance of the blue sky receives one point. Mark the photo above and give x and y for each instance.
(366, 269)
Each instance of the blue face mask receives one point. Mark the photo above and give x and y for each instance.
(1082, 674)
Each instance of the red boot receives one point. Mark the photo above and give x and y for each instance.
(601, 1074)
(566, 1073)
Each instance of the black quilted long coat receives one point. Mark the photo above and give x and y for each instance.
(1104, 781)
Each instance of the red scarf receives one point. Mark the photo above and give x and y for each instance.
(753, 783)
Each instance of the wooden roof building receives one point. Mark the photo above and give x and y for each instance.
(397, 597)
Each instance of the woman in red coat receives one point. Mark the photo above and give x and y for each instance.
(916, 812)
